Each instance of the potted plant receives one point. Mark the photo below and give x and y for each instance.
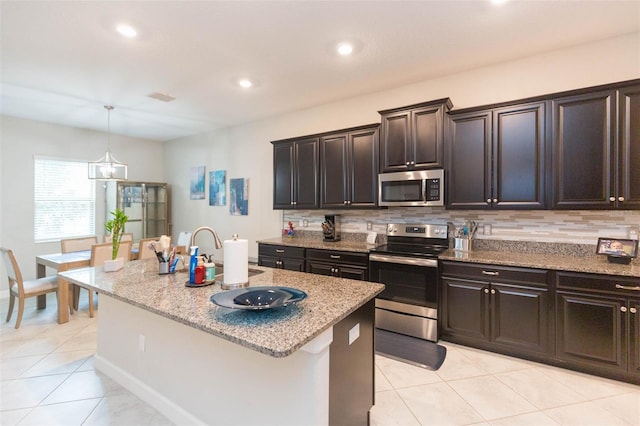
(115, 227)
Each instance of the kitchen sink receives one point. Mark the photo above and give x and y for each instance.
(220, 272)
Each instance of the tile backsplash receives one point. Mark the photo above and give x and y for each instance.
(575, 226)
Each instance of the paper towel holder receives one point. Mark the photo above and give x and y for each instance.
(233, 286)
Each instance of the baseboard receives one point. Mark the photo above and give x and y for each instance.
(166, 407)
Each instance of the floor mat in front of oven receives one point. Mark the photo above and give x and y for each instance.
(421, 353)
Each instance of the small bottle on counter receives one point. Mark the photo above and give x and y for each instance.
(209, 271)
(199, 272)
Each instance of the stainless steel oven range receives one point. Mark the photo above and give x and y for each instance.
(408, 267)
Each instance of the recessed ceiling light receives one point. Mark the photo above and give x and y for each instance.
(345, 49)
(245, 83)
(126, 31)
(498, 2)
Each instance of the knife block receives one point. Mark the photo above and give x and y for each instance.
(331, 228)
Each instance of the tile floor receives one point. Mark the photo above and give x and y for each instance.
(47, 378)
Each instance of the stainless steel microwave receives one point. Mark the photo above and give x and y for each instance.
(418, 188)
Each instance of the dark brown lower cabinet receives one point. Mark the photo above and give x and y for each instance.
(509, 313)
(351, 368)
(281, 257)
(339, 264)
(598, 324)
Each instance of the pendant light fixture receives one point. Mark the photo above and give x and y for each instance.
(108, 168)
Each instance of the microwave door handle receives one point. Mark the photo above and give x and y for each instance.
(424, 190)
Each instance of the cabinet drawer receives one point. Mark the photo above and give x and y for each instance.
(360, 259)
(626, 286)
(495, 273)
(281, 251)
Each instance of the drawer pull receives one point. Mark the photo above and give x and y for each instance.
(279, 250)
(628, 287)
(486, 290)
(493, 291)
(492, 273)
(335, 256)
(623, 308)
(633, 310)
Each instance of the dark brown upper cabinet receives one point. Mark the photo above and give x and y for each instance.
(496, 158)
(296, 173)
(349, 168)
(596, 150)
(412, 138)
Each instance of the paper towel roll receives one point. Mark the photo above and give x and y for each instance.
(236, 261)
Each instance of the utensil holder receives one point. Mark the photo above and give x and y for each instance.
(462, 244)
(163, 268)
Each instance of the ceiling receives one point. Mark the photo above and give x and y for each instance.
(62, 61)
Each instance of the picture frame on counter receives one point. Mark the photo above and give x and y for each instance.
(617, 250)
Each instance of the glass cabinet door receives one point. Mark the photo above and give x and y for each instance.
(147, 207)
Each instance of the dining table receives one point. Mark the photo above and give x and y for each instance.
(61, 262)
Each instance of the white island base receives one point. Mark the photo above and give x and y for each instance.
(193, 377)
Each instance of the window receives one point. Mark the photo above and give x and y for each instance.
(64, 200)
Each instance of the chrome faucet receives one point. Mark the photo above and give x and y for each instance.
(216, 239)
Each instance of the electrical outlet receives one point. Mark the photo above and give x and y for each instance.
(486, 230)
(305, 223)
(369, 226)
(633, 233)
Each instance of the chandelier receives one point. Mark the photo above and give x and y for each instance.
(108, 168)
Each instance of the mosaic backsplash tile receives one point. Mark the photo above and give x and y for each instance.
(574, 227)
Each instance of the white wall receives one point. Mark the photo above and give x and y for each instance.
(245, 151)
(22, 139)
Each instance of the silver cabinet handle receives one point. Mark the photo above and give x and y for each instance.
(334, 256)
(623, 308)
(413, 163)
(492, 273)
(292, 203)
(628, 287)
(344, 202)
(633, 310)
(495, 200)
(486, 290)
(620, 198)
(489, 200)
(279, 250)
(493, 291)
(612, 199)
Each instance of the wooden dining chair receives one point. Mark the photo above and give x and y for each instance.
(100, 253)
(127, 236)
(69, 245)
(20, 289)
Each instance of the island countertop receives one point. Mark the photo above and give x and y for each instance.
(276, 332)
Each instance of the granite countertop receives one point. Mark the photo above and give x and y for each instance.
(588, 264)
(555, 256)
(317, 243)
(277, 332)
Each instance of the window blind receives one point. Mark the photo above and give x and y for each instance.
(64, 200)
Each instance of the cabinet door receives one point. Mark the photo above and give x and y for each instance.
(469, 168)
(518, 157)
(465, 308)
(363, 167)
(628, 195)
(590, 331)
(427, 134)
(306, 188)
(293, 264)
(320, 268)
(582, 145)
(283, 157)
(634, 336)
(394, 145)
(519, 317)
(269, 262)
(352, 272)
(334, 171)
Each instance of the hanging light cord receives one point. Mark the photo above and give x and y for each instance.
(108, 108)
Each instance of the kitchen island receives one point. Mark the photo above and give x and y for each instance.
(198, 363)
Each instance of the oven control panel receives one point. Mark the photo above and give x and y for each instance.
(417, 230)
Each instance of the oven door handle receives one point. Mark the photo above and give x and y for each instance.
(433, 263)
